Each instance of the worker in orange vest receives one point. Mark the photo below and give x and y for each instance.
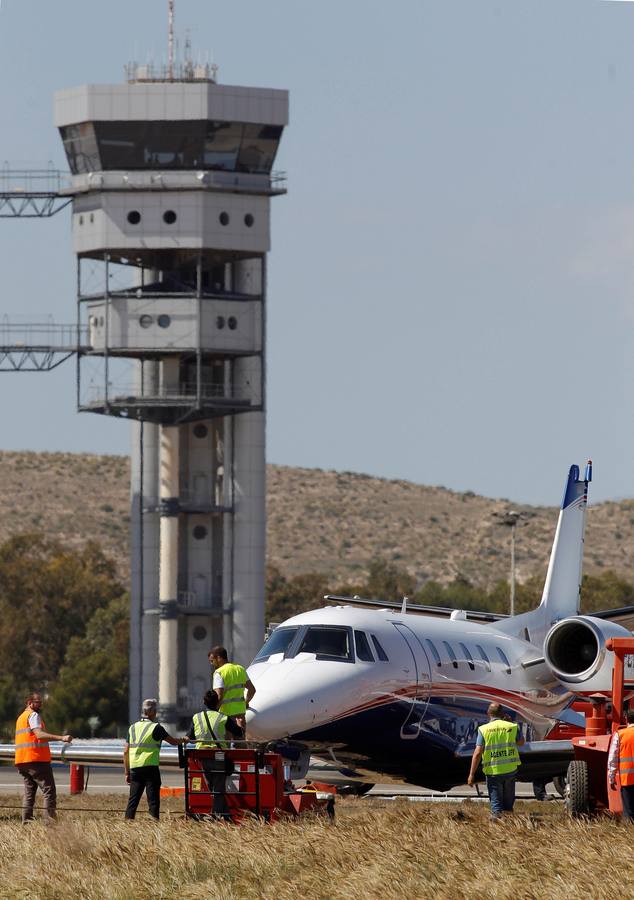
(33, 758)
(621, 759)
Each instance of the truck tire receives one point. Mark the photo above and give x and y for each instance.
(577, 796)
(559, 783)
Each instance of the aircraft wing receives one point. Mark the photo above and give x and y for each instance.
(414, 608)
(624, 616)
(539, 759)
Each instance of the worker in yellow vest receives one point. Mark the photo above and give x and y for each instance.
(141, 757)
(210, 729)
(33, 758)
(230, 682)
(621, 760)
(496, 746)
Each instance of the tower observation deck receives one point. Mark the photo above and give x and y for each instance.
(171, 180)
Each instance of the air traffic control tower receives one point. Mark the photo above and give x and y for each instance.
(171, 180)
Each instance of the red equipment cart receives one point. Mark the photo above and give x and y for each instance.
(233, 784)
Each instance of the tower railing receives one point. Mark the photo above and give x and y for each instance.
(32, 193)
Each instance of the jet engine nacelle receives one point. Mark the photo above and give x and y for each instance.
(574, 649)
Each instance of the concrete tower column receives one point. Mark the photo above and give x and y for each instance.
(168, 556)
(144, 542)
(249, 491)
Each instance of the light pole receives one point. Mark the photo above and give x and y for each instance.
(510, 519)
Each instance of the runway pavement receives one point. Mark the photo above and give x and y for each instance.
(110, 780)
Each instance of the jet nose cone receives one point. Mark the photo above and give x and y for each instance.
(266, 722)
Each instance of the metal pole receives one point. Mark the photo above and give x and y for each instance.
(78, 369)
(107, 329)
(170, 41)
(199, 326)
(513, 527)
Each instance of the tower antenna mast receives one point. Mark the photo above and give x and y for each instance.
(170, 40)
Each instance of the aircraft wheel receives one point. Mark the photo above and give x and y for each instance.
(559, 783)
(577, 796)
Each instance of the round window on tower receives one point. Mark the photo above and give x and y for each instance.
(220, 322)
(249, 220)
(199, 633)
(145, 321)
(164, 321)
(169, 217)
(199, 532)
(232, 322)
(200, 431)
(134, 217)
(224, 218)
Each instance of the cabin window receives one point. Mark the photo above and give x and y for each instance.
(380, 652)
(327, 642)
(433, 651)
(451, 654)
(484, 657)
(278, 642)
(504, 659)
(467, 655)
(362, 647)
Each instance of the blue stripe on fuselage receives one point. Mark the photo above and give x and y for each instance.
(419, 740)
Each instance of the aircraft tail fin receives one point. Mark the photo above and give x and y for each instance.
(562, 587)
(560, 597)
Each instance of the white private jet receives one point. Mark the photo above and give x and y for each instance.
(403, 690)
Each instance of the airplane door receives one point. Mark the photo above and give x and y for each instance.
(415, 664)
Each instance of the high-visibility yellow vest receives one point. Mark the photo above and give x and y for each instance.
(27, 747)
(143, 750)
(210, 729)
(235, 681)
(500, 755)
(626, 756)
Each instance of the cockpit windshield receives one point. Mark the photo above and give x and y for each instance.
(278, 642)
(327, 641)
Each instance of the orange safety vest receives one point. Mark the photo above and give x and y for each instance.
(626, 756)
(27, 747)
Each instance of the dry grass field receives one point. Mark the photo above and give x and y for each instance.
(333, 523)
(383, 850)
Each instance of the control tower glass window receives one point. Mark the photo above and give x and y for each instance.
(124, 146)
(222, 145)
(81, 148)
(150, 145)
(258, 148)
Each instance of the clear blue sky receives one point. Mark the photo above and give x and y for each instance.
(452, 275)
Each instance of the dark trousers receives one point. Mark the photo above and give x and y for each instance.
(627, 799)
(145, 778)
(38, 774)
(217, 781)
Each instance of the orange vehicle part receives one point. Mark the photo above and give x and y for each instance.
(253, 784)
(593, 747)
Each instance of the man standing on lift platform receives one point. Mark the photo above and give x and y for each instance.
(229, 682)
